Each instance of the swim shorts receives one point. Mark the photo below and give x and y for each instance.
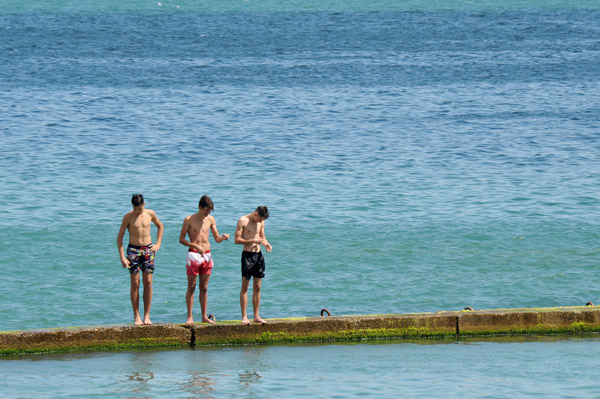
(198, 263)
(140, 258)
(253, 265)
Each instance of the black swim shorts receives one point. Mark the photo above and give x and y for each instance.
(253, 265)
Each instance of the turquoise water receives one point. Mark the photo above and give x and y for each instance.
(293, 6)
(564, 368)
(415, 157)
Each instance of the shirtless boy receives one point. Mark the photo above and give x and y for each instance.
(199, 260)
(140, 253)
(250, 232)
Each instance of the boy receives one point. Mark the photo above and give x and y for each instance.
(199, 260)
(250, 232)
(140, 253)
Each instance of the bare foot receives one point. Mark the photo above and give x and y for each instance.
(190, 321)
(137, 321)
(257, 319)
(207, 320)
(147, 321)
(245, 322)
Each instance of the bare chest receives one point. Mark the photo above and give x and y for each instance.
(199, 227)
(251, 229)
(140, 222)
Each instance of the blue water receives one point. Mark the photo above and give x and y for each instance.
(414, 157)
(561, 369)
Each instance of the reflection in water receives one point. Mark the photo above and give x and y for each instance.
(248, 381)
(141, 377)
(508, 368)
(250, 377)
(201, 385)
(141, 365)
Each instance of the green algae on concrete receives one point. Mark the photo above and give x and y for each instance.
(439, 325)
(93, 338)
(530, 321)
(322, 329)
(453, 324)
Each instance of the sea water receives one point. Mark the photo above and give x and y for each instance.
(538, 368)
(414, 158)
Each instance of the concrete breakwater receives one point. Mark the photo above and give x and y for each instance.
(444, 325)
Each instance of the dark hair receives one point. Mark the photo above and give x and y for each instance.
(137, 199)
(263, 212)
(206, 202)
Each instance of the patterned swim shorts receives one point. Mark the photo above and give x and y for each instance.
(140, 258)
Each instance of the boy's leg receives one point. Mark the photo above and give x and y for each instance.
(204, 297)
(256, 300)
(135, 297)
(189, 298)
(244, 300)
(147, 296)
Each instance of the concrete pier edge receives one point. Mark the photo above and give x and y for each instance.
(441, 325)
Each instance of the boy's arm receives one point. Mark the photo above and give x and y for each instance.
(159, 232)
(124, 261)
(238, 233)
(215, 232)
(183, 241)
(265, 243)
